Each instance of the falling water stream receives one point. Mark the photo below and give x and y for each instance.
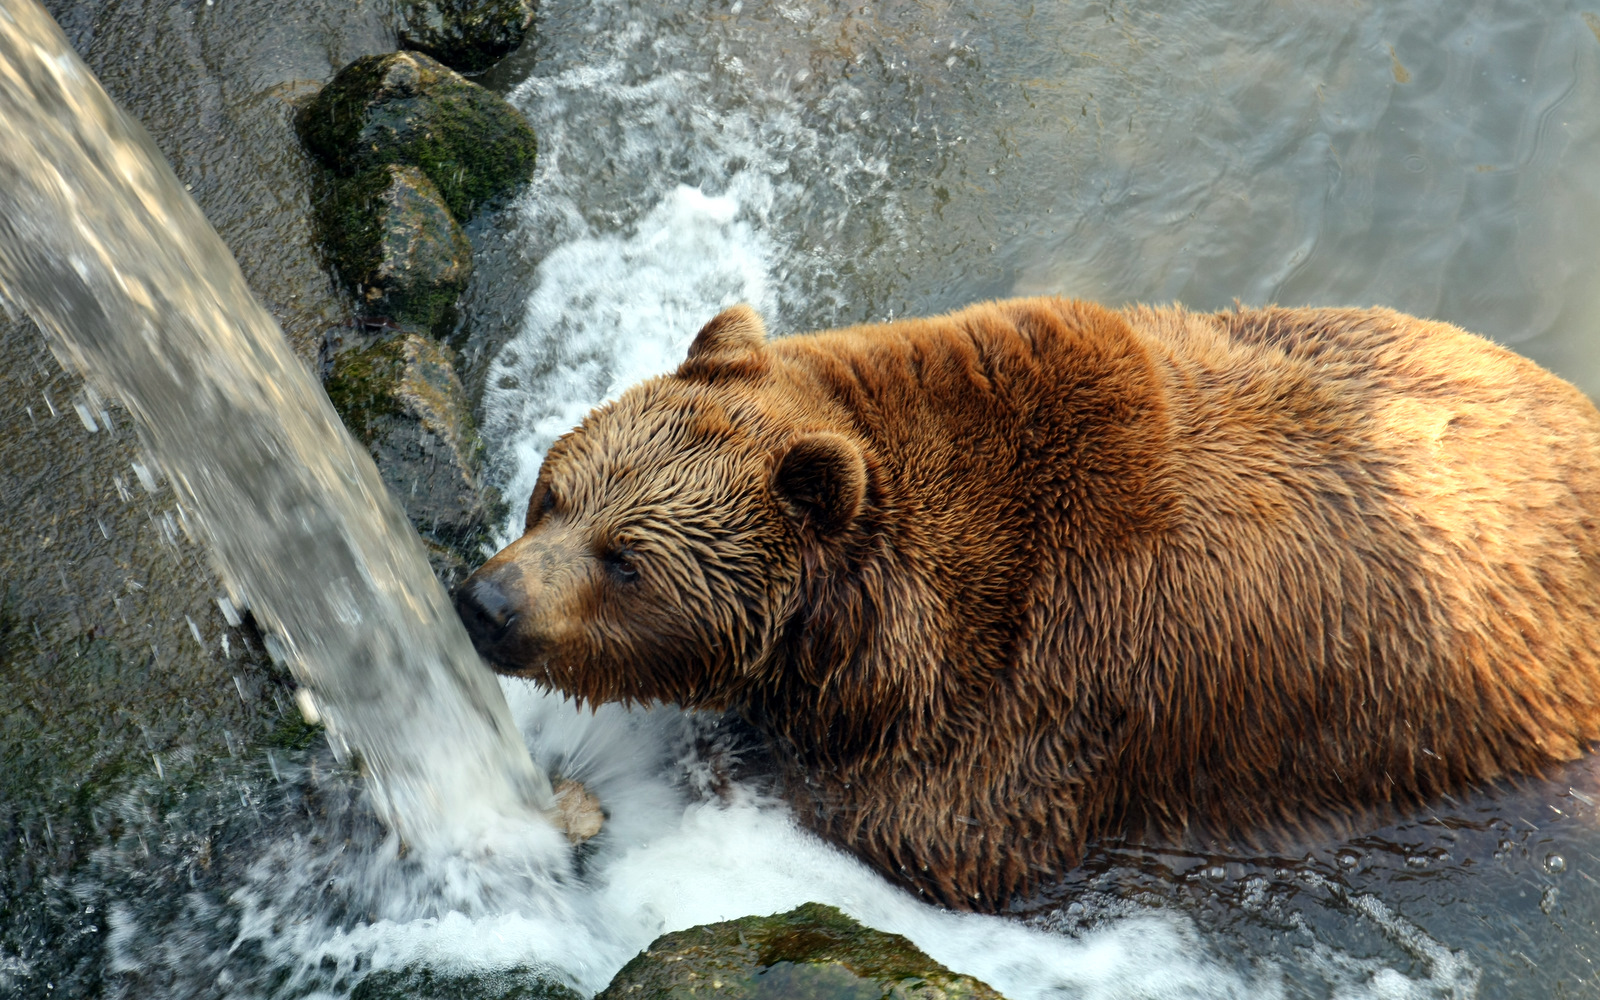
(102, 247)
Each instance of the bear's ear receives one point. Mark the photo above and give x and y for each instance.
(733, 343)
(821, 480)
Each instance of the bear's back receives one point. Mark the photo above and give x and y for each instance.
(1390, 529)
(1275, 564)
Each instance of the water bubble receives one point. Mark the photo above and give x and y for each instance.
(1547, 899)
(1216, 873)
(1555, 864)
(1417, 861)
(1348, 859)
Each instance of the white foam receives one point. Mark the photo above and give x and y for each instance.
(613, 309)
(727, 860)
(660, 198)
(670, 859)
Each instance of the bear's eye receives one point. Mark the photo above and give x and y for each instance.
(621, 565)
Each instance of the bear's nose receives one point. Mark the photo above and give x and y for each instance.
(485, 611)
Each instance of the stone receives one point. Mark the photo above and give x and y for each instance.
(219, 87)
(134, 706)
(396, 243)
(813, 952)
(401, 397)
(418, 983)
(407, 108)
(578, 811)
(467, 35)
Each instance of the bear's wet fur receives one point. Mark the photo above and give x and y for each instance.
(1004, 582)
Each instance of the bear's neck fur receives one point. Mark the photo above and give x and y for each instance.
(1001, 458)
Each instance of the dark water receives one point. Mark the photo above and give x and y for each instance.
(838, 162)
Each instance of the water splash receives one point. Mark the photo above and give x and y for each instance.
(100, 245)
(673, 182)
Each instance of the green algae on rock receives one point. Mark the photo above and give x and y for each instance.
(402, 399)
(466, 35)
(407, 108)
(813, 952)
(413, 983)
(392, 237)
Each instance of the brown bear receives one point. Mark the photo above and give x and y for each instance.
(999, 583)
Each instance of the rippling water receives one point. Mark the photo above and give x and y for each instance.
(837, 162)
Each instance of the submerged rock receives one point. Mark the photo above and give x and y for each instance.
(466, 35)
(401, 398)
(578, 812)
(424, 984)
(393, 239)
(813, 951)
(407, 108)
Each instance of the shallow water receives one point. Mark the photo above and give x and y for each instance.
(834, 163)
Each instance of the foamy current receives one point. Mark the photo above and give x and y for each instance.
(672, 857)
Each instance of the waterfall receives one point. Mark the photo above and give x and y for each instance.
(102, 247)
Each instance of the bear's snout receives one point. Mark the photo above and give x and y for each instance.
(491, 604)
(485, 610)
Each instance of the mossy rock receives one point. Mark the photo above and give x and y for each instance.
(392, 237)
(407, 108)
(813, 952)
(402, 399)
(416, 983)
(466, 35)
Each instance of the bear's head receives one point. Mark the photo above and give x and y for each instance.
(666, 535)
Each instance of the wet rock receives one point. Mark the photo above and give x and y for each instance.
(135, 709)
(578, 811)
(416, 983)
(813, 951)
(393, 239)
(466, 35)
(218, 86)
(407, 108)
(401, 397)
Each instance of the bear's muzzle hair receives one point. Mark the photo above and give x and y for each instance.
(489, 604)
(485, 610)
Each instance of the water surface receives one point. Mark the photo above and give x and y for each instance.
(839, 162)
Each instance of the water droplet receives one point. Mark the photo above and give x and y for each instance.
(1555, 864)
(1348, 859)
